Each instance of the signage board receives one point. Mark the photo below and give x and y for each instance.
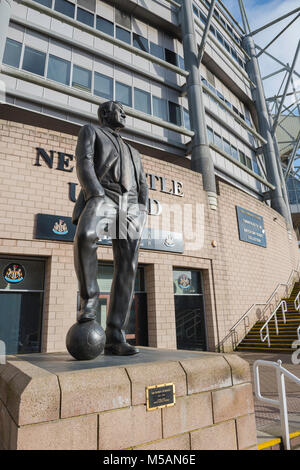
(251, 227)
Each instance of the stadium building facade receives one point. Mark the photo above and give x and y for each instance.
(218, 237)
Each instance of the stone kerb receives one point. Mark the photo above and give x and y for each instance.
(105, 407)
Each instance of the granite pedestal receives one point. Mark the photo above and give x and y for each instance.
(50, 401)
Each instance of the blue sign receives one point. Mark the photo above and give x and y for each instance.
(251, 227)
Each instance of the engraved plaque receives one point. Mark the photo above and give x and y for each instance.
(160, 396)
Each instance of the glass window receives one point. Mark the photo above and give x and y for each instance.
(242, 116)
(234, 54)
(123, 35)
(103, 86)
(181, 62)
(195, 10)
(212, 30)
(123, 18)
(186, 119)
(220, 95)
(235, 110)
(248, 162)
(227, 47)
(227, 147)
(174, 113)
(227, 103)
(124, 94)
(170, 57)
(105, 26)
(142, 101)
(203, 80)
(223, 22)
(186, 282)
(85, 17)
(140, 42)
(59, 70)
(229, 29)
(210, 135)
(159, 108)
(34, 61)
(157, 51)
(12, 53)
(82, 78)
(255, 165)
(216, 13)
(203, 17)
(64, 7)
(234, 153)
(242, 157)
(220, 37)
(218, 141)
(46, 3)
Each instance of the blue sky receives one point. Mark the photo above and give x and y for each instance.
(261, 12)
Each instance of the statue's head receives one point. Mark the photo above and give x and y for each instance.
(112, 114)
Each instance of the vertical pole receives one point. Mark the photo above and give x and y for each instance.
(5, 8)
(277, 200)
(283, 408)
(201, 159)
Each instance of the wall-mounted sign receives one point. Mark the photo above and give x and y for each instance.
(251, 227)
(160, 396)
(14, 273)
(52, 227)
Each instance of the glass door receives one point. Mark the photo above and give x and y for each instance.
(189, 310)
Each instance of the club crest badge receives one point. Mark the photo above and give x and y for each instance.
(184, 281)
(169, 241)
(60, 228)
(14, 273)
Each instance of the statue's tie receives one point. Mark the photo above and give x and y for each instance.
(125, 166)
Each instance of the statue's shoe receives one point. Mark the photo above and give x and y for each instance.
(120, 349)
(88, 310)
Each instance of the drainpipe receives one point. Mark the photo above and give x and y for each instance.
(201, 159)
(277, 199)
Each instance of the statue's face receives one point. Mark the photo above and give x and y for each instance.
(117, 117)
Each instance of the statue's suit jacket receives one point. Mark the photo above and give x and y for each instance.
(97, 149)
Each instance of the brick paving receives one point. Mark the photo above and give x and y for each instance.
(268, 416)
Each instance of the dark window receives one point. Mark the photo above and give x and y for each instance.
(229, 29)
(123, 18)
(140, 42)
(64, 7)
(216, 13)
(242, 157)
(220, 95)
(157, 51)
(212, 30)
(12, 53)
(228, 103)
(34, 61)
(174, 113)
(203, 80)
(88, 4)
(223, 22)
(195, 10)
(248, 162)
(103, 86)
(203, 17)
(142, 101)
(171, 57)
(159, 107)
(105, 26)
(235, 110)
(220, 37)
(242, 116)
(227, 47)
(46, 3)
(123, 35)
(85, 17)
(124, 94)
(234, 54)
(59, 70)
(82, 78)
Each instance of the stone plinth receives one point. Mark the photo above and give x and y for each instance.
(50, 401)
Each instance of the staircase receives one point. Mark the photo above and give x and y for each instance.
(287, 331)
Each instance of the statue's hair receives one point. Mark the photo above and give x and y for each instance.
(106, 107)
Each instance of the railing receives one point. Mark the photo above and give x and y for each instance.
(274, 315)
(258, 311)
(281, 373)
(297, 301)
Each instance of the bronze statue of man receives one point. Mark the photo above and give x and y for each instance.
(113, 198)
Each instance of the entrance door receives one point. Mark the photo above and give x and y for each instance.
(21, 304)
(189, 310)
(137, 327)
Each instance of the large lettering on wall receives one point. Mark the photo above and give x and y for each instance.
(65, 162)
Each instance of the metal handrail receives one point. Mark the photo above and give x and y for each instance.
(297, 301)
(281, 372)
(266, 325)
(232, 332)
